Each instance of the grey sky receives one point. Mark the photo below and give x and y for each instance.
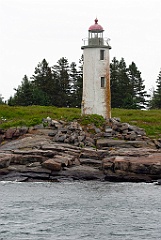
(31, 30)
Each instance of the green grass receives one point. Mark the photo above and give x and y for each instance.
(32, 115)
(150, 120)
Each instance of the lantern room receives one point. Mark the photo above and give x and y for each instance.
(95, 34)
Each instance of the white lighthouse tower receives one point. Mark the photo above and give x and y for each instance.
(96, 73)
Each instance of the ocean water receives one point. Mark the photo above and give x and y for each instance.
(80, 210)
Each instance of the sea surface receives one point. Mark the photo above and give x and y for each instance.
(80, 210)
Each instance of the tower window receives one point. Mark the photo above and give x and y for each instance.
(102, 54)
(103, 82)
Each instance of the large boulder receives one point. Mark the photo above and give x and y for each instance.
(52, 165)
(10, 133)
(130, 168)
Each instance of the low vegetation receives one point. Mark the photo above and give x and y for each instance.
(150, 120)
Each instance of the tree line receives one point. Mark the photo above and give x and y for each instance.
(61, 85)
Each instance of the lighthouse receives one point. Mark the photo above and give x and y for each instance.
(96, 98)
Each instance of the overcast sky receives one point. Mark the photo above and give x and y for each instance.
(31, 30)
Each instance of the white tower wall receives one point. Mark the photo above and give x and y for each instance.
(95, 96)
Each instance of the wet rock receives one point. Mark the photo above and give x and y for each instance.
(145, 168)
(38, 176)
(122, 177)
(26, 168)
(14, 176)
(83, 173)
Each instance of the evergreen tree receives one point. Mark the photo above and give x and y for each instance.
(120, 87)
(156, 98)
(137, 92)
(124, 85)
(73, 75)
(62, 85)
(115, 95)
(42, 82)
(79, 84)
(76, 80)
(127, 88)
(28, 94)
(23, 95)
(39, 96)
(62, 81)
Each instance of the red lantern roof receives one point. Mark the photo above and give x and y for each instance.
(96, 27)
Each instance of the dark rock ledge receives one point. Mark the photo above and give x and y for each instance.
(67, 151)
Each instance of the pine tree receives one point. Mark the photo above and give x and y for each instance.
(76, 81)
(124, 85)
(73, 76)
(127, 88)
(115, 95)
(23, 95)
(62, 85)
(79, 84)
(138, 93)
(28, 94)
(61, 76)
(120, 86)
(156, 98)
(42, 81)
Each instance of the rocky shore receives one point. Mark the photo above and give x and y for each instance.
(58, 151)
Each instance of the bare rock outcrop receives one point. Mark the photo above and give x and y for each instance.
(116, 152)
